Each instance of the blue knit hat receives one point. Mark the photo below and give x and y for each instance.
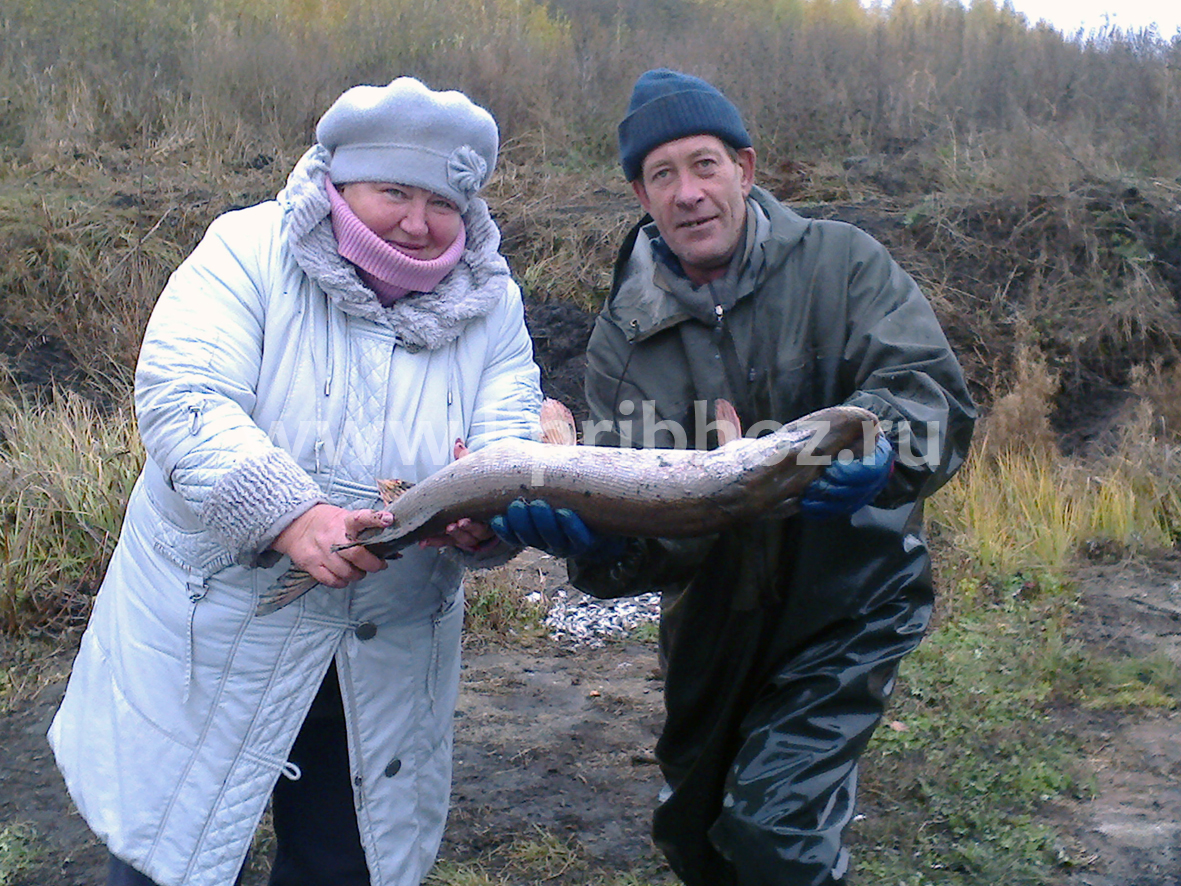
(412, 135)
(667, 105)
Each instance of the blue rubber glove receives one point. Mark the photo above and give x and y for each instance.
(559, 531)
(845, 488)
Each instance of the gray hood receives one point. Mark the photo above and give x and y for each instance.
(422, 321)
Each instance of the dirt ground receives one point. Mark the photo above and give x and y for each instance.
(559, 739)
(1132, 829)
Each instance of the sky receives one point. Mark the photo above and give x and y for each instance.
(1069, 15)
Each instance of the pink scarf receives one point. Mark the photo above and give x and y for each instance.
(389, 272)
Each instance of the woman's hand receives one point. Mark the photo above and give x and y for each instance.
(466, 534)
(310, 538)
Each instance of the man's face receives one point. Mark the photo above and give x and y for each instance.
(696, 193)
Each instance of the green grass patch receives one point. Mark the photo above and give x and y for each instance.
(972, 749)
(495, 608)
(18, 849)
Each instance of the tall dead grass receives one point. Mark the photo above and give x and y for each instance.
(1088, 275)
(977, 83)
(561, 228)
(83, 262)
(1019, 506)
(65, 473)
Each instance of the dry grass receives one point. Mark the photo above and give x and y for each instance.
(65, 473)
(1019, 420)
(992, 98)
(1031, 511)
(561, 227)
(1020, 507)
(1160, 386)
(1088, 278)
(83, 261)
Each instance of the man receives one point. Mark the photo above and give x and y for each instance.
(781, 638)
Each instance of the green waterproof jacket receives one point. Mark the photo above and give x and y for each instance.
(814, 314)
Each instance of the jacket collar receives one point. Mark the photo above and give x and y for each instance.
(422, 321)
(648, 296)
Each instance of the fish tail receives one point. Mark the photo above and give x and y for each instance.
(290, 586)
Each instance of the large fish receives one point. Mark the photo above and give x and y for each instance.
(653, 493)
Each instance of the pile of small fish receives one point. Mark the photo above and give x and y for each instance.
(579, 620)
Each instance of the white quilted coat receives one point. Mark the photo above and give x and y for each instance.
(269, 379)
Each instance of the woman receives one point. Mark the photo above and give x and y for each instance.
(353, 329)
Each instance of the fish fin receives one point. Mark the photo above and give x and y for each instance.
(389, 490)
(290, 586)
(727, 422)
(557, 423)
(371, 535)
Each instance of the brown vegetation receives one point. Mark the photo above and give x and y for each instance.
(1034, 173)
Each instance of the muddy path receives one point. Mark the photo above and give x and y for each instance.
(1132, 828)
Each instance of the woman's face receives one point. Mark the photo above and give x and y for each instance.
(415, 221)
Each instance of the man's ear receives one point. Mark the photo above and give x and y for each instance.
(642, 194)
(746, 162)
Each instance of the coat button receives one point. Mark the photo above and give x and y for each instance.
(366, 630)
(395, 765)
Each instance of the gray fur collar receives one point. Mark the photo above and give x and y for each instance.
(422, 320)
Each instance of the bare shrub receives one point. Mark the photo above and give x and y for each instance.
(1019, 420)
(846, 80)
(1159, 386)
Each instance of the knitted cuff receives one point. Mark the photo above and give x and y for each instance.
(246, 505)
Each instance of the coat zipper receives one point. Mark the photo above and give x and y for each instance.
(318, 447)
(197, 589)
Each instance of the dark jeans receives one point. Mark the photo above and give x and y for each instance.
(316, 836)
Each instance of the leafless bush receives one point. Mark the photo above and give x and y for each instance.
(1019, 420)
(1159, 386)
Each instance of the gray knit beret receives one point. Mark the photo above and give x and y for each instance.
(667, 105)
(411, 135)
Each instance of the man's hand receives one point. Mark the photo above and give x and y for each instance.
(310, 538)
(845, 488)
(560, 532)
